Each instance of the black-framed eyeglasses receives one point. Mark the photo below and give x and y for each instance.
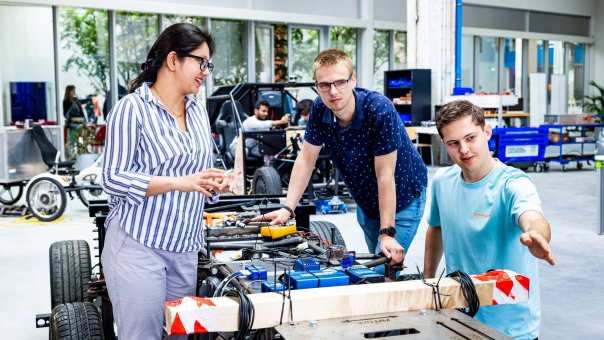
(203, 62)
(325, 86)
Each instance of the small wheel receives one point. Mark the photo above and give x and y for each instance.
(46, 199)
(10, 193)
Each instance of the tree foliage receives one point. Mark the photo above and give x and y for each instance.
(345, 39)
(84, 33)
(305, 43)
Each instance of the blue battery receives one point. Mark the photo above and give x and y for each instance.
(301, 280)
(307, 264)
(331, 278)
(347, 261)
(362, 273)
(256, 272)
(271, 286)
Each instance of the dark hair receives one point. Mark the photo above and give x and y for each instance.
(262, 103)
(456, 110)
(303, 107)
(68, 97)
(181, 38)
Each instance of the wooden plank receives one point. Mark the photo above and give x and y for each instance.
(221, 314)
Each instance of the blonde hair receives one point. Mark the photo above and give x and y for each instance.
(331, 57)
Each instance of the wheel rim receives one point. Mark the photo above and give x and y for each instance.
(8, 195)
(45, 199)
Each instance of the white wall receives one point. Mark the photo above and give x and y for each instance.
(573, 7)
(390, 10)
(26, 45)
(598, 26)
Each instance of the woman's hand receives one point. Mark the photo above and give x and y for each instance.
(207, 182)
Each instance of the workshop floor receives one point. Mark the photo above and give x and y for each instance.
(572, 291)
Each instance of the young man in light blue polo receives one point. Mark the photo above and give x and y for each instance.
(486, 215)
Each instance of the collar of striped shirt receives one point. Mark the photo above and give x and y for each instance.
(144, 91)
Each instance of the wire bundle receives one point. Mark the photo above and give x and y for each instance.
(469, 292)
(246, 313)
(246, 308)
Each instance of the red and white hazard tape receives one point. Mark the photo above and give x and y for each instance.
(191, 315)
(510, 287)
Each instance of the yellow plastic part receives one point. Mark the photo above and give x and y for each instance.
(278, 231)
(212, 219)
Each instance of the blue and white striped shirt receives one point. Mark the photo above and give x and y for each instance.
(143, 140)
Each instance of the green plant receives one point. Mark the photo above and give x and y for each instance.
(595, 103)
(84, 33)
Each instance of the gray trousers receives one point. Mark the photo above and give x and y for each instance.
(140, 279)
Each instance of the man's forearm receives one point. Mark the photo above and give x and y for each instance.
(298, 180)
(534, 221)
(387, 200)
(433, 251)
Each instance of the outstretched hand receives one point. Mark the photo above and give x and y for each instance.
(538, 246)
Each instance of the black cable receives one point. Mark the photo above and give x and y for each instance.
(246, 313)
(469, 292)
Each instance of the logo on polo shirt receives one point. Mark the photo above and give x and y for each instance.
(479, 214)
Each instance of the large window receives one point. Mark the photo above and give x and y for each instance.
(575, 70)
(304, 48)
(541, 56)
(486, 77)
(135, 34)
(264, 53)
(400, 50)
(381, 56)
(84, 57)
(229, 58)
(345, 39)
(556, 57)
(508, 75)
(467, 61)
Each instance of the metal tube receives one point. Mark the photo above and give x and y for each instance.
(458, 22)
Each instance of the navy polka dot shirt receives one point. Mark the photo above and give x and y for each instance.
(375, 130)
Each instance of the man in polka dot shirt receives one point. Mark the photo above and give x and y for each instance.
(368, 144)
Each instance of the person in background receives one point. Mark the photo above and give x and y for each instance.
(486, 215)
(157, 173)
(303, 110)
(258, 122)
(72, 108)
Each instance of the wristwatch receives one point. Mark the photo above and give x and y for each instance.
(390, 231)
(290, 210)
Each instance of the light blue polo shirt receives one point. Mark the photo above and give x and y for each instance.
(480, 231)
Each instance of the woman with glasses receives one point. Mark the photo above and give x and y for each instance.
(158, 174)
(368, 144)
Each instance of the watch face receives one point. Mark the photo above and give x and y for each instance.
(390, 231)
